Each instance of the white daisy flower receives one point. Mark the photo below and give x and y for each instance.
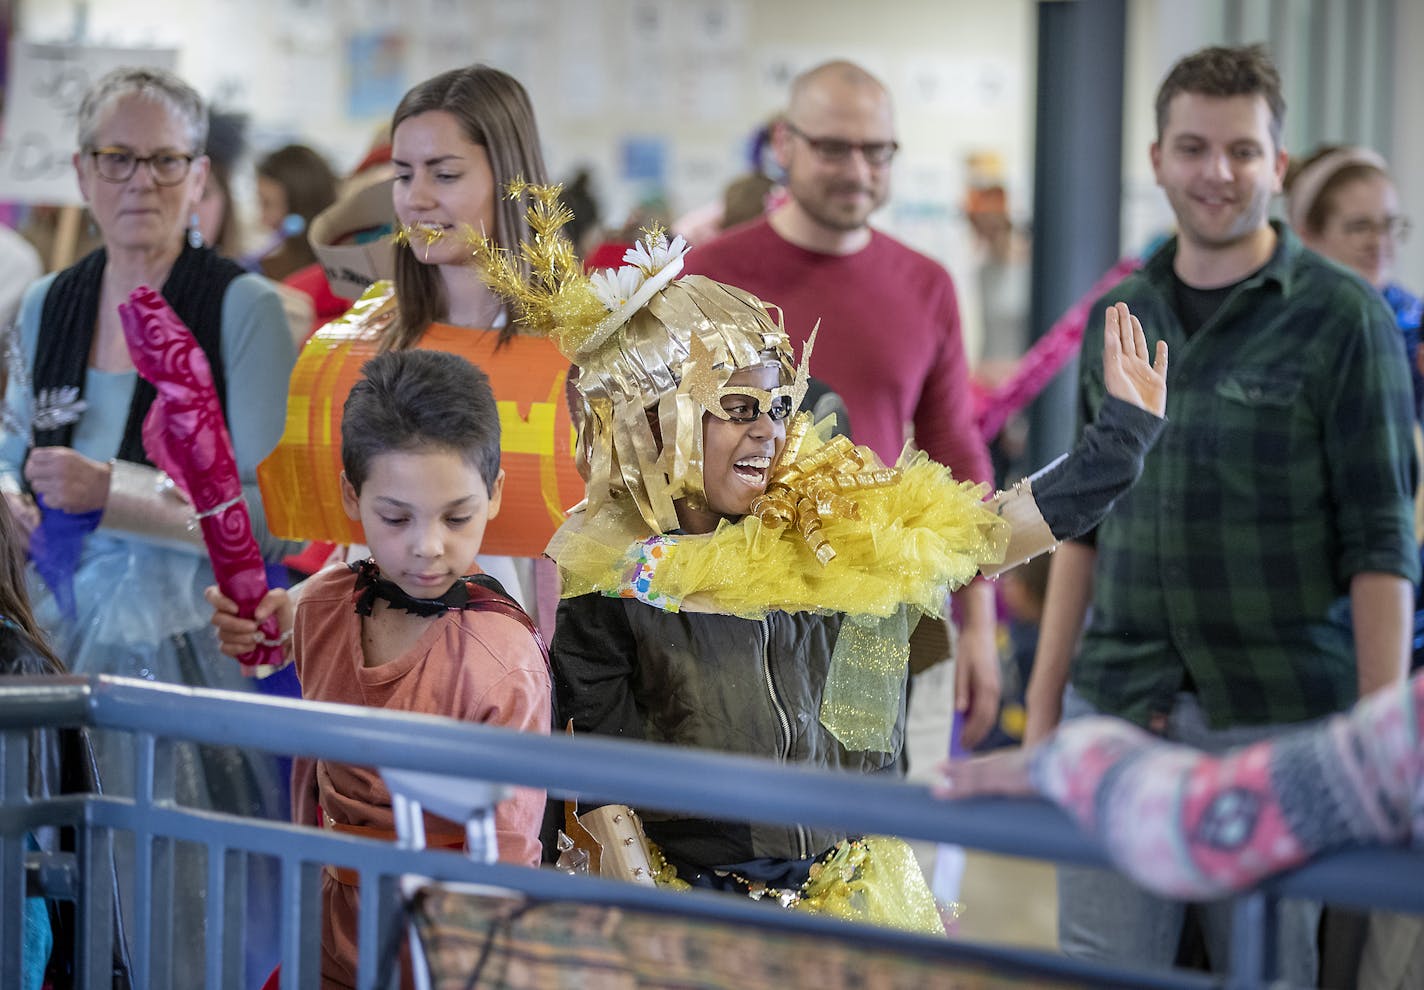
(650, 256)
(614, 287)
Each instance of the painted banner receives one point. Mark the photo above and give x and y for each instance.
(45, 87)
(300, 481)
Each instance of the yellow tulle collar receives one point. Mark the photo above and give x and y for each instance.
(910, 543)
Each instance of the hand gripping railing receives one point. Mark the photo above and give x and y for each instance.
(693, 782)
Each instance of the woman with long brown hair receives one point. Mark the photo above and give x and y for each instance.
(458, 140)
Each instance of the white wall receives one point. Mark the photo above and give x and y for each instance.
(697, 74)
(1407, 158)
(600, 71)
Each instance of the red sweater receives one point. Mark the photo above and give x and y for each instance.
(889, 343)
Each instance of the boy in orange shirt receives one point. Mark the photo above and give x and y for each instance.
(415, 627)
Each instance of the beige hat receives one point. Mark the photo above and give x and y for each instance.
(351, 237)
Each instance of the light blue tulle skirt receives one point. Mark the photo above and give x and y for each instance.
(141, 614)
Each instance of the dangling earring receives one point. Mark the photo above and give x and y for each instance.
(195, 235)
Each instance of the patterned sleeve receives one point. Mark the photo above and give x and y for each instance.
(1188, 825)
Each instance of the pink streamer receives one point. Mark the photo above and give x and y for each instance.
(1048, 355)
(186, 436)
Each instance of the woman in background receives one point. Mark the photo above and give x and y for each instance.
(1343, 204)
(294, 184)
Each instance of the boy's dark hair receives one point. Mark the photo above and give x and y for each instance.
(412, 400)
(1246, 70)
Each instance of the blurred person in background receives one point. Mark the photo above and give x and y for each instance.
(582, 231)
(346, 239)
(1343, 203)
(217, 220)
(19, 266)
(294, 184)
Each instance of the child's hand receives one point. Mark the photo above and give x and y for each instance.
(1004, 772)
(1126, 372)
(238, 636)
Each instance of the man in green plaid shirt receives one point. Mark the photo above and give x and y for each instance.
(1277, 501)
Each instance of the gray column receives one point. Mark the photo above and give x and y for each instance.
(1077, 184)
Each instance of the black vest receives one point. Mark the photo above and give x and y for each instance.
(195, 289)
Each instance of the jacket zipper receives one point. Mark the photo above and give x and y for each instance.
(801, 839)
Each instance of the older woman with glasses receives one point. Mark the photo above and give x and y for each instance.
(119, 564)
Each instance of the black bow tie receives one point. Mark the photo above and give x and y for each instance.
(371, 586)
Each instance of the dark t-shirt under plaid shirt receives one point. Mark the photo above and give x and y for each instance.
(1287, 467)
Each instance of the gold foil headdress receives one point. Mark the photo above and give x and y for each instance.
(651, 349)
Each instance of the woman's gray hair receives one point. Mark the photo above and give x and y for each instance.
(152, 84)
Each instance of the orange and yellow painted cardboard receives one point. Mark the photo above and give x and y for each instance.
(300, 481)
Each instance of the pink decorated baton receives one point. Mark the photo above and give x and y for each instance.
(186, 436)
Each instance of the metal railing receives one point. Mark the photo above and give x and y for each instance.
(162, 717)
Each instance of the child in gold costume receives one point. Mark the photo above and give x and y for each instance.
(736, 582)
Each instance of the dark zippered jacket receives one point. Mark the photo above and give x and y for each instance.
(626, 669)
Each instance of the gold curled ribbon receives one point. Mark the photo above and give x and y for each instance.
(805, 491)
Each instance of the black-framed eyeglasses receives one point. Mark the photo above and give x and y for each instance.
(836, 150)
(1396, 228)
(118, 164)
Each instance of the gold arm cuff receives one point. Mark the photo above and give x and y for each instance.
(1029, 535)
(623, 847)
(141, 504)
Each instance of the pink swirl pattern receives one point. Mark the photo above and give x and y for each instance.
(186, 435)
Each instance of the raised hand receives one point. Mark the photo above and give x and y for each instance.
(1126, 370)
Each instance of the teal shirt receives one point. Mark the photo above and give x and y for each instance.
(1287, 467)
(258, 355)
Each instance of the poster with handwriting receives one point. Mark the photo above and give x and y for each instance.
(42, 97)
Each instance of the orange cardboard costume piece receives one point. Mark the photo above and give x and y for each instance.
(300, 481)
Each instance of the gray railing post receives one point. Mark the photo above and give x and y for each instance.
(15, 792)
(1253, 941)
(95, 911)
(301, 923)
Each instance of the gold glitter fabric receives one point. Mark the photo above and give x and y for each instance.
(642, 430)
(860, 703)
(875, 880)
(899, 546)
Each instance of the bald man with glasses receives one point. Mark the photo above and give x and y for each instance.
(890, 341)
